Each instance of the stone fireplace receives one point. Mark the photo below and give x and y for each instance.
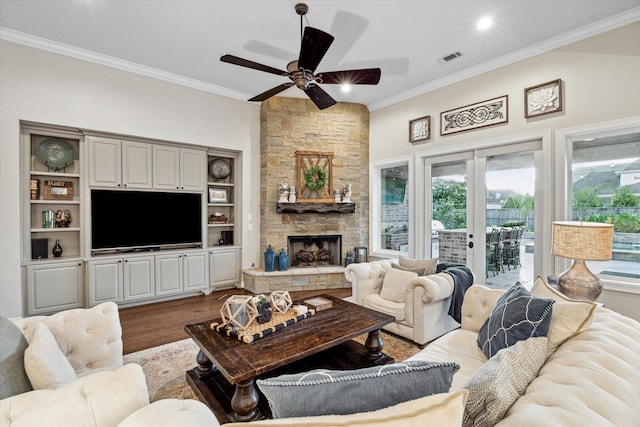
(288, 125)
(315, 251)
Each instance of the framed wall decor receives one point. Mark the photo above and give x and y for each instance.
(315, 176)
(420, 129)
(543, 99)
(481, 114)
(218, 195)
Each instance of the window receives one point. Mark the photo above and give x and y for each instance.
(605, 187)
(390, 227)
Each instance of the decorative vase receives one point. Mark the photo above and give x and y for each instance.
(57, 249)
(348, 259)
(269, 259)
(292, 194)
(283, 260)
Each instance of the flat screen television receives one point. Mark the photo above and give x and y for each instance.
(144, 220)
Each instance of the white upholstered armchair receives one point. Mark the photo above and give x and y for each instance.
(420, 304)
(74, 363)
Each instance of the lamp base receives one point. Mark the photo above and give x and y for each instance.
(579, 283)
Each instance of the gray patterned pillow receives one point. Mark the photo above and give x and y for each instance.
(502, 380)
(324, 392)
(518, 315)
(14, 377)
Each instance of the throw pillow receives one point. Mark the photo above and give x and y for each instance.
(14, 377)
(44, 362)
(418, 270)
(502, 380)
(570, 317)
(324, 392)
(394, 284)
(518, 315)
(438, 410)
(429, 265)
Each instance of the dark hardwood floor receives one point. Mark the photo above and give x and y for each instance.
(150, 325)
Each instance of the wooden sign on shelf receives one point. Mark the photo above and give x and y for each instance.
(58, 190)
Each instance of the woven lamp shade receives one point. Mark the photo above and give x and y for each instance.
(592, 241)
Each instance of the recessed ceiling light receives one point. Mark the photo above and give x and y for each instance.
(346, 87)
(484, 23)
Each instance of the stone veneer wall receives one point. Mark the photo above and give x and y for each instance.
(288, 125)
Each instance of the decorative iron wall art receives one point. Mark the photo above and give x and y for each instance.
(481, 114)
(542, 99)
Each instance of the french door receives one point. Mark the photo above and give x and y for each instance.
(480, 210)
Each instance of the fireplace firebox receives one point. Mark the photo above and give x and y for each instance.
(314, 251)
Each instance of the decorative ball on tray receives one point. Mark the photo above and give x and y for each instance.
(63, 218)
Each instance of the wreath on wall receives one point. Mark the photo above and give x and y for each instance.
(315, 178)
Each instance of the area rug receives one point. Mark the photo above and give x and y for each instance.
(165, 366)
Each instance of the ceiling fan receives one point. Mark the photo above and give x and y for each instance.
(314, 46)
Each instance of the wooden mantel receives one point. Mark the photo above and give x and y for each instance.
(283, 207)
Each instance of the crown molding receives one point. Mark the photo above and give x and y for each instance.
(112, 62)
(576, 35)
(590, 30)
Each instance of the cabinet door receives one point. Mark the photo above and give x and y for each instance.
(224, 267)
(136, 164)
(105, 281)
(168, 274)
(166, 167)
(195, 271)
(54, 287)
(105, 165)
(138, 278)
(192, 169)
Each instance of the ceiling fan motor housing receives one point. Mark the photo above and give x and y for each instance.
(300, 78)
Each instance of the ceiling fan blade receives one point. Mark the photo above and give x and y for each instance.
(315, 44)
(274, 91)
(319, 97)
(367, 76)
(250, 64)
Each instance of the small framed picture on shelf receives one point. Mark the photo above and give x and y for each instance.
(218, 195)
(58, 190)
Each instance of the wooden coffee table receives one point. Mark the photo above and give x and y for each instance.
(227, 368)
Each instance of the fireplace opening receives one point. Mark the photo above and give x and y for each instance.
(314, 251)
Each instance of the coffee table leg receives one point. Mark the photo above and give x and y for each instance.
(245, 402)
(205, 366)
(374, 344)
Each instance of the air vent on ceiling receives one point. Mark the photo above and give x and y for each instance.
(449, 58)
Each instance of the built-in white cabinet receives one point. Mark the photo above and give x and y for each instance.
(140, 165)
(177, 273)
(54, 287)
(224, 266)
(178, 168)
(105, 281)
(116, 163)
(139, 279)
(60, 166)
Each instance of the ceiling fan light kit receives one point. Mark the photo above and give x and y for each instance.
(314, 45)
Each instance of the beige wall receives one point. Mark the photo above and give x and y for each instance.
(43, 87)
(601, 83)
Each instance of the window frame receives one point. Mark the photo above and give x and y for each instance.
(564, 139)
(375, 190)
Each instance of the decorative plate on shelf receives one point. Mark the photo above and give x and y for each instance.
(56, 153)
(219, 168)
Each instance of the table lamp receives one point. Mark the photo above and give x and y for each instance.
(582, 241)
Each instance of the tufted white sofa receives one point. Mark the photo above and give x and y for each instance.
(422, 317)
(103, 393)
(591, 379)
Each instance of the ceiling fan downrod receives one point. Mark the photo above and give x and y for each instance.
(301, 9)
